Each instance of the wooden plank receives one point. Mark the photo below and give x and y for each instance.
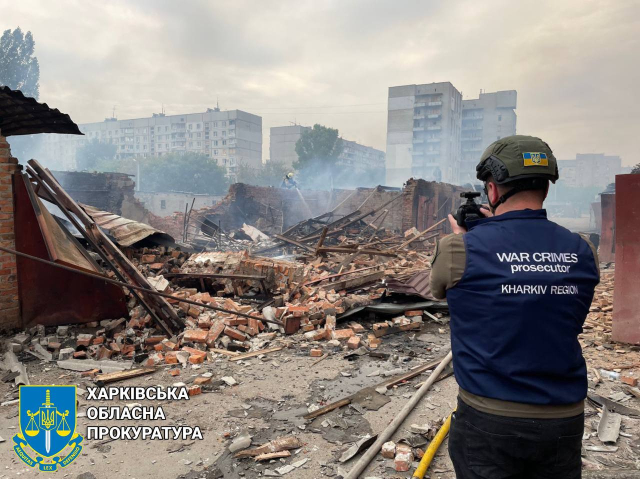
(408, 242)
(295, 243)
(397, 329)
(255, 353)
(389, 383)
(224, 352)
(374, 252)
(319, 280)
(355, 282)
(328, 408)
(108, 378)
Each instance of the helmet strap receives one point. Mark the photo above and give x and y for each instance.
(505, 197)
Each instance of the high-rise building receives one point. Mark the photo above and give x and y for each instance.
(359, 159)
(590, 170)
(484, 120)
(423, 133)
(232, 137)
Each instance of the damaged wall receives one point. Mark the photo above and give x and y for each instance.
(9, 303)
(112, 192)
(273, 210)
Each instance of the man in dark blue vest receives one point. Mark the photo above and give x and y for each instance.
(519, 288)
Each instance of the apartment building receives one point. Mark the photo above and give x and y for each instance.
(484, 120)
(423, 133)
(232, 137)
(591, 170)
(359, 159)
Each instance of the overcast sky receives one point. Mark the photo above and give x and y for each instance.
(574, 63)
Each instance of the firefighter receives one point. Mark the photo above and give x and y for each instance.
(519, 288)
(288, 182)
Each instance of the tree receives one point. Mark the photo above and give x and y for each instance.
(191, 172)
(318, 151)
(94, 153)
(270, 173)
(636, 169)
(19, 68)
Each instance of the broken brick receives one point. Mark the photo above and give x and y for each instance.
(195, 335)
(354, 342)
(235, 334)
(315, 353)
(214, 333)
(342, 333)
(633, 382)
(194, 390)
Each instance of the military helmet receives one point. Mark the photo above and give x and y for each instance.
(517, 157)
(289, 175)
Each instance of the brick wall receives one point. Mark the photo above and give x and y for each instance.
(9, 304)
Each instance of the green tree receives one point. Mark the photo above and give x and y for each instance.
(94, 154)
(318, 151)
(270, 173)
(191, 173)
(19, 68)
(636, 169)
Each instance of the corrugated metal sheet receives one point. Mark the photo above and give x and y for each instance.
(126, 232)
(21, 115)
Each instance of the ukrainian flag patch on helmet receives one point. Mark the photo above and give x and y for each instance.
(535, 159)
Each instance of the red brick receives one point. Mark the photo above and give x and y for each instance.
(194, 351)
(196, 359)
(151, 340)
(342, 333)
(171, 358)
(194, 390)
(633, 382)
(195, 335)
(354, 342)
(80, 355)
(215, 332)
(234, 334)
(315, 353)
(409, 314)
(148, 258)
(174, 372)
(201, 380)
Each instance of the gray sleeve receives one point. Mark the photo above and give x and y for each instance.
(447, 265)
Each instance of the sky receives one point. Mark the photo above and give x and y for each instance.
(574, 63)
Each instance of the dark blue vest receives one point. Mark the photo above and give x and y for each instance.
(518, 310)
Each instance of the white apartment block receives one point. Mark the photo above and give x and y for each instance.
(484, 120)
(359, 158)
(232, 137)
(435, 135)
(423, 133)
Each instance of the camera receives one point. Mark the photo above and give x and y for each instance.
(469, 211)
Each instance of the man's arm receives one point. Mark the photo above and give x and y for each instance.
(447, 266)
(593, 250)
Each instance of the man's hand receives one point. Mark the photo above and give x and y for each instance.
(484, 209)
(459, 230)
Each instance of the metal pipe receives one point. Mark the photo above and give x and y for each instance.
(132, 287)
(385, 435)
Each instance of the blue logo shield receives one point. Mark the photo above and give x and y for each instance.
(47, 426)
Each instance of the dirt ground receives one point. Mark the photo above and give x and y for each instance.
(275, 390)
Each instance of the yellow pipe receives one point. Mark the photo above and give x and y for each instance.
(430, 453)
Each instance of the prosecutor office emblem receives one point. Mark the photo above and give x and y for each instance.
(535, 159)
(48, 427)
